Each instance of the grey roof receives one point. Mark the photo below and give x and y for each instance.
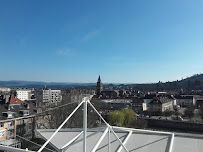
(16, 110)
(116, 100)
(184, 97)
(139, 141)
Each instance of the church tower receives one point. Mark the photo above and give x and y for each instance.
(99, 86)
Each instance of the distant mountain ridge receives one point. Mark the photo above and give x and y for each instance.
(194, 82)
(36, 84)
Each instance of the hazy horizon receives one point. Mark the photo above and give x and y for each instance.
(101, 80)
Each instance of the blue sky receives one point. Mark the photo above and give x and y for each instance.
(136, 41)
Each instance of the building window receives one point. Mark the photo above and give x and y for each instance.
(1, 125)
(29, 127)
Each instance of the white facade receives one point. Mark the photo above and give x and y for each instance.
(5, 89)
(144, 106)
(52, 96)
(24, 94)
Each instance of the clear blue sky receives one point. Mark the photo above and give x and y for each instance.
(125, 41)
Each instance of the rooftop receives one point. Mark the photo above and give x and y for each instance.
(135, 140)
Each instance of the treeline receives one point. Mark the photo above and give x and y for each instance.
(194, 82)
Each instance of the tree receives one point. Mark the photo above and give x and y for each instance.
(129, 116)
(116, 118)
(124, 117)
(189, 112)
(189, 83)
(197, 82)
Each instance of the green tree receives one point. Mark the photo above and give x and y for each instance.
(116, 118)
(129, 116)
(124, 117)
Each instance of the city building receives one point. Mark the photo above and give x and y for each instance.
(105, 93)
(110, 94)
(24, 94)
(5, 89)
(13, 121)
(158, 103)
(8, 134)
(52, 97)
(137, 104)
(185, 101)
(198, 100)
(78, 97)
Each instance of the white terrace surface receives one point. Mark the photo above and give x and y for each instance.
(138, 141)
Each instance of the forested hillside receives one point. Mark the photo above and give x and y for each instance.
(194, 82)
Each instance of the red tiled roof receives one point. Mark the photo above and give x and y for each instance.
(14, 100)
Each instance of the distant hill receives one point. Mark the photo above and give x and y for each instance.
(194, 82)
(35, 84)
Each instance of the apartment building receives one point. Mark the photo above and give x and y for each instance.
(24, 94)
(52, 97)
(185, 101)
(158, 103)
(8, 134)
(10, 126)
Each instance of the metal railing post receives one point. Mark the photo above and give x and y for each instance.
(85, 125)
(171, 143)
(109, 140)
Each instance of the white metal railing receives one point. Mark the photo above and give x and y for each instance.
(109, 129)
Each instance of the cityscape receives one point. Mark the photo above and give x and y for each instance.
(24, 110)
(101, 76)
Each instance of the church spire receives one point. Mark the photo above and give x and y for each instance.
(99, 79)
(99, 86)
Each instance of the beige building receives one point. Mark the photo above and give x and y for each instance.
(8, 133)
(159, 103)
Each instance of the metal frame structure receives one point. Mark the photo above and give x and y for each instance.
(108, 130)
(85, 101)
